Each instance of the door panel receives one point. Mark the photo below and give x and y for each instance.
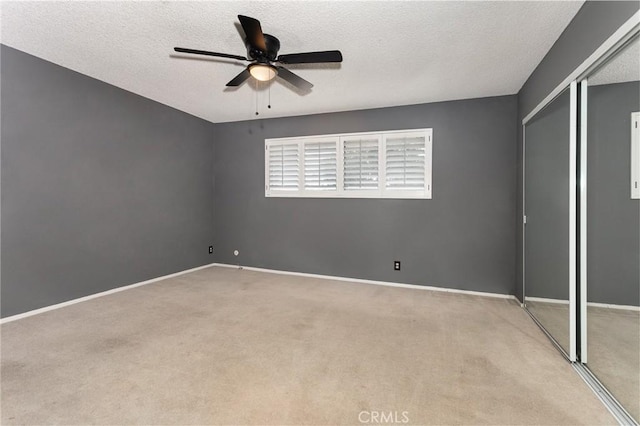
(547, 209)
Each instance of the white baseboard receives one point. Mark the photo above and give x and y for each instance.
(303, 274)
(546, 300)
(362, 281)
(609, 306)
(589, 304)
(103, 293)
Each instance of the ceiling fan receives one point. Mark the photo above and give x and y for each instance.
(263, 55)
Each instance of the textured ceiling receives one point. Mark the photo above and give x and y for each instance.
(623, 67)
(395, 53)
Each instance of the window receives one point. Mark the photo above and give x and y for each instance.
(283, 167)
(320, 166)
(361, 162)
(393, 164)
(406, 162)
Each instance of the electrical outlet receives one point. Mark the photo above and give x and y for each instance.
(396, 265)
(210, 249)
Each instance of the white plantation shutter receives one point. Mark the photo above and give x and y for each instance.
(405, 162)
(320, 166)
(361, 162)
(283, 167)
(393, 164)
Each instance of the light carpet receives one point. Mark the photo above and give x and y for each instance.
(228, 346)
(613, 346)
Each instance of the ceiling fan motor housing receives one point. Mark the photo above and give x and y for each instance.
(262, 52)
(273, 45)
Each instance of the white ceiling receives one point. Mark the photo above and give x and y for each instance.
(395, 53)
(623, 67)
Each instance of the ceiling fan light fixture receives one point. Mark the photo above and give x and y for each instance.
(263, 72)
(263, 54)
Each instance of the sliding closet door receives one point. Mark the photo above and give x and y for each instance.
(613, 226)
(548, 230)
(582, 220)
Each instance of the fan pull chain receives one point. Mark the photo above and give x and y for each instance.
(269, 105)
(257, 90)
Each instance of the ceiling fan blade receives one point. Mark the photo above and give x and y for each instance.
(240, 78)
(311, 57)
(204, 52)
(294, 79)
(253, 31)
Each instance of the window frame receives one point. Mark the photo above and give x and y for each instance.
(340, 191)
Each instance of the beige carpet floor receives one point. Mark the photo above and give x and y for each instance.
(613, 343)
(613, 346)
(554, 317)
(613, 339)
(227, 346)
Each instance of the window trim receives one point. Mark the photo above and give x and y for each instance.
(340, 192)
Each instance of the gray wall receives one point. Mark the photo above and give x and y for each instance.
(463, 238)
(100, 187)
(591, 26)
(613, 218)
